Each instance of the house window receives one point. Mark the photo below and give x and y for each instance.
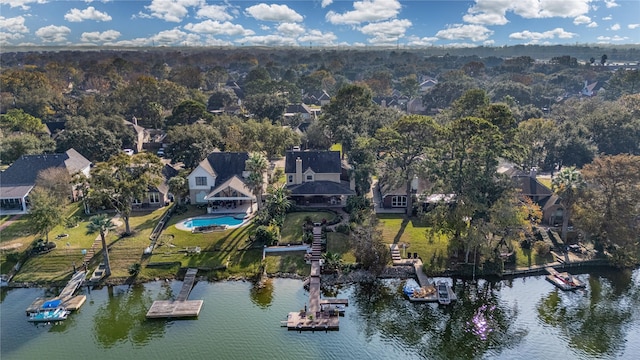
(309, 177)
(136, 202)
(290, 178)
(201, 181)
(154, 198)
(399, 201)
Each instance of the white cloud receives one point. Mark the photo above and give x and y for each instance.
(489, 43)
(218, 28)
(13, 25)
(100, 37)
(318, 38)
(290, 29)
(608, 17)
(460, 32)
(90, 13)
(559, 33)
(615, 27)
(366, 11)
(53, 33)
(610, 3)
(265, 27)
(268, 40)
(418, 41)
(274, 12)
(23, 4)
(592, 24)
(5, 37)
(214, 12)
(170, 10)
(386, 32)
(326, 3)
(493, 12)
(582, 19)
(633, 26)
(611, 38)
(173, 37)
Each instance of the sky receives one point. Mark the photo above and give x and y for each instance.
(315, 23)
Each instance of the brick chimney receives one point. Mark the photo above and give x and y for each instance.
(298, 178)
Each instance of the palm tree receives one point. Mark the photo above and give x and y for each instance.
(102, 224)
(257, 166)
(567, 184)
(277, 203)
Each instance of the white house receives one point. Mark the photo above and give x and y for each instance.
(219, 181)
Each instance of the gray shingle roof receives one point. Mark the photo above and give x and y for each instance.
(226, 164)
(319, 161)
(24, 171)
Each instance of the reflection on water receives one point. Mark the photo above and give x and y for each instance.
(520, 318)
(262, 293)
(595, 321)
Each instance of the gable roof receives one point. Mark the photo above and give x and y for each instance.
(236, 183)
(24, 171)
(223, 165)
(318, 161)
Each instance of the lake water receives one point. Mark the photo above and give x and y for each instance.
(524, 318)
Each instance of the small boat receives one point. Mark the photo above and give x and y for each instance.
(4, 280)
(335, 309)
(410, 287)
(443, 293)
(50, 311)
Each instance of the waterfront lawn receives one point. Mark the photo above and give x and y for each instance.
(287, 262)
(228, 250)
(415, 234)
(339, 243)
(126, 251)
(58, 264)
(529, 257)
(292, 229)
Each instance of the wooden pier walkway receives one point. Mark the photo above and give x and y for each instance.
(181, 307)
(313, 317)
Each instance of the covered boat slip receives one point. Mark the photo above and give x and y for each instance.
(181, 307)
(65, 299)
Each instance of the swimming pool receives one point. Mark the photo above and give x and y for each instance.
(209, 221)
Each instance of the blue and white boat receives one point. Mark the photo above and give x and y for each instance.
(50, 311)
(410, 286)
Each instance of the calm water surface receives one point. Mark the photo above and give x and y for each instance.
(525, 318)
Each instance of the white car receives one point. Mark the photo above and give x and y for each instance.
(128, 152)
(160, 152)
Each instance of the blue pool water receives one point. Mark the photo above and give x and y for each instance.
(222, 220)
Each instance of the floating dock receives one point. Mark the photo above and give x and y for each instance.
(321, 314)
(181, 307)
(564, 280)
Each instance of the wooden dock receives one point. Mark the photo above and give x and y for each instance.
(181, 307)
(66, 295)
(314, 317)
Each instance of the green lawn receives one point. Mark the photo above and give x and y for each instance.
(528, 257)
(339, 243)
(414, 234)
(292, 229)
(289, 262)
(228, 248)
(58, 264)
